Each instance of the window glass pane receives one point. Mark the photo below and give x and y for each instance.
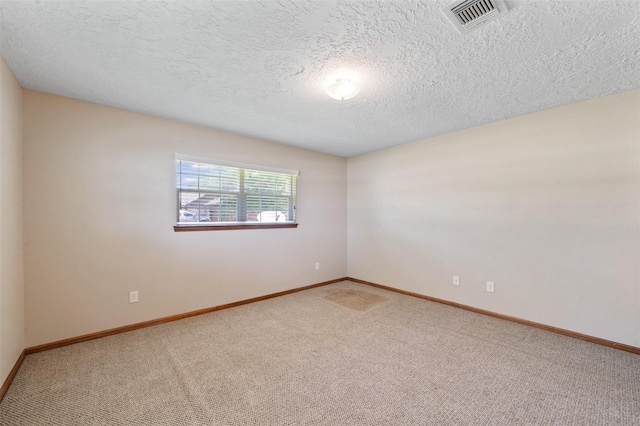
(184, 199)
(187, 197)
(283, 206)
(283, 186)
(214, 193)
(207, 169)
(252, 182)
(267, 203)
(188, 181)
(189, 167)
(229, 179)
(209, 182)
(257, 182)
(272, 216)
(228, 208)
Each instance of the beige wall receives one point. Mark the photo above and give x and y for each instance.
(545, 205)
(99, 216)
(11, 267)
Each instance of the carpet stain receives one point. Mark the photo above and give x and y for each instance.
(357, 300)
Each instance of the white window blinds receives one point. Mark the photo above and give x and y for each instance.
(212, 191)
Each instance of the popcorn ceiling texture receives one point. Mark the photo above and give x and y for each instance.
(260, 68)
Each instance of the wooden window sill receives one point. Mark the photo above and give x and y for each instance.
(228, 227)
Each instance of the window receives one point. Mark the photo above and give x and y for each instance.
(214, 195)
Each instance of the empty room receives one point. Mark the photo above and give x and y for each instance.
(399, 212)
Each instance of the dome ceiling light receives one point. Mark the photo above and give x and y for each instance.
(343, 89)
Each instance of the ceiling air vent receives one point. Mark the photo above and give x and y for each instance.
(468, 14)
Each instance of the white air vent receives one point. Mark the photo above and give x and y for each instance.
(468, 14)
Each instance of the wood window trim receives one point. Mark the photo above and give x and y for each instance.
(228, 227)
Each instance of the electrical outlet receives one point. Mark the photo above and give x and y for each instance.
(456, 280)
(133, 296)
(491, 288)
(317, 266)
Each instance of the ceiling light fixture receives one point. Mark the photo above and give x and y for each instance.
(343, 89)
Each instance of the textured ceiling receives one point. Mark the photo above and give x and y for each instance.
(260, 68)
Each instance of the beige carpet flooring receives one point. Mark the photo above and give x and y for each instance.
(321, 357)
